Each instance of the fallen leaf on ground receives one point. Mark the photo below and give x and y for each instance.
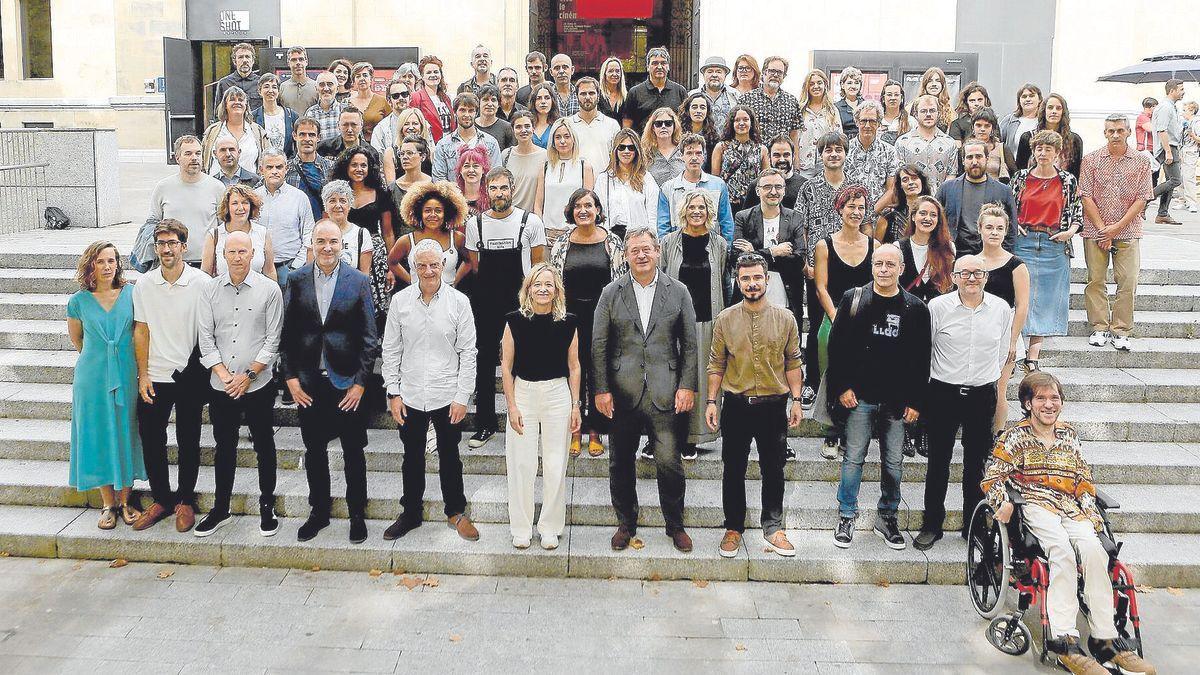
(636, 543)
(119, 562)
(768, 549)
(4, 554)
(375, 573)
(1144, 589)
(655, 577)
(1174, 591)
(315, 568)
(409, 582)
(455, 637)
(431, 582)
(700, 583)
(883, 583)
(165, 574)
(740, 647)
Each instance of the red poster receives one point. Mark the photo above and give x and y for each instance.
(614, 9)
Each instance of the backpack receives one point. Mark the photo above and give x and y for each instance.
(142, 256)
(56, 219)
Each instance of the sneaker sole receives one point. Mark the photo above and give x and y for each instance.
(895, 547)
(219, 525)
(787, 553)
(841, 544)
(268, 533)
(727, 554)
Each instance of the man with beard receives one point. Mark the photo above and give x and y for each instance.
(781, 152)
(963, 197)
(878, 370)
(761, 388)
(693, 176)
(244, 76)
(326, 111)
(721, 97)
(594, 131)
(502, 244)
(445, 153)
(189, 196)
(778, 111)
(656, 92)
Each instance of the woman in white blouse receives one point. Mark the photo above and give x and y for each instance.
(338, 197)
(628, 192)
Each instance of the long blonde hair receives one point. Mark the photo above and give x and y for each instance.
(558, 307)
(827, 109)
(552, 151)
(649, 145)
(604, 89)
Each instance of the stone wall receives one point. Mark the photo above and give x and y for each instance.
(82, 178)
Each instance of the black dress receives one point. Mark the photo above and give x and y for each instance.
(369, 218)
(842, 277)
(586, 271)
(696, 274)
(1000, 281)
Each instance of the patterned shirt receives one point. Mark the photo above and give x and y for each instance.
(814, 209)
(1055, 477)
(1113, 183)
(327, 119)
(719, 107)
(1072, 210)
(568, 105)
(778, 115)
(815, 125)
(938, 157)
(871, 167)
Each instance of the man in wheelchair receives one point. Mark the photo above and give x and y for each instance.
(1040, 457)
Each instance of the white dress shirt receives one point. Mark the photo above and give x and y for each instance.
(968, 344)
(429, 349)
(645, 298)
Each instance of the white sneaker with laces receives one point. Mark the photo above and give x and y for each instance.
(1099, 338)
(1122, 342)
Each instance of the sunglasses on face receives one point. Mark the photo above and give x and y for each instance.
(397, 95)
(626, 147)
(664, 124)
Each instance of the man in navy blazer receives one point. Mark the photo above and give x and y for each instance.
(985, 189)
(328, 349)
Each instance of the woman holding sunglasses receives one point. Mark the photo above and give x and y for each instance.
(627, 190)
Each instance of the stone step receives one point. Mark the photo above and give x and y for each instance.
(1171, 298)
(1112, 462)
(34, 306)
(1129, 385)
(1075, 351)
(807, 504)
(584, 551)
(1100, 421)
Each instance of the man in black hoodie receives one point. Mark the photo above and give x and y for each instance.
(878, 369)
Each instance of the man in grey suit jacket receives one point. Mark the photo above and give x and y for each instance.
(644, 359)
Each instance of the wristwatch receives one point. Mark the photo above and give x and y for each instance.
(711, 400)
(251, 374)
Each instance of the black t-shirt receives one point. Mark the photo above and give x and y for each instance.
(883, 357)
(644, 99)
(540, 345)
(696, 274)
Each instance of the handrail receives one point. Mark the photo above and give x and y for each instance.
(39, 165)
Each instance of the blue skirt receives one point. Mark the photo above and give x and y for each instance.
(1049, 283)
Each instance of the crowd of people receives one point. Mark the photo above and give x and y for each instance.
(615, 253)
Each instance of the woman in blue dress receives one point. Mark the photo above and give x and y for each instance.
(106, 452)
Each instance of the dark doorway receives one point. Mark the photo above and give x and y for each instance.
(590, 31)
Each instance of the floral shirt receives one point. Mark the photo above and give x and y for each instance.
(871, 167)
(815, 126)
(1113, 183)
(937, 157)
(779, 115)
(740, 166)
(1072, 212)
(1055, 477)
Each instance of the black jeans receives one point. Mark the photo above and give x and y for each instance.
(321, 422)
(450, 469)
(812, 366)
(255, 408)
(766, 424)
(667, 431)
(153, 418)
(489, 328)
(950, 407)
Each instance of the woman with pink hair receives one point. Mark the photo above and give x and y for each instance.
(470, 170)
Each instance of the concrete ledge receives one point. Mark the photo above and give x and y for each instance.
(32, 531)
(592, 556)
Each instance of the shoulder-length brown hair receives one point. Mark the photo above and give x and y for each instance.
(1064, 127)
(447, 193)
(637, 174)
(85, 270)
(940, 258)
(243, 192)
(749, 61)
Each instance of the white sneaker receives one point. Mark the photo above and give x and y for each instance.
(1121, 342)
(520, 542)
(1099, 338)
(1194, 209)
(549, 542)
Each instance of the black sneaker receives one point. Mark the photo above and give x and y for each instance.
(889, 531)
(807, 398)
(211, 523)
(926, 540)
(910, 447)
(358, 530)
(689, 451)
(480, 438)
(268, 522)
(312, 526)
(648, 450)
(845, 533)
(788, 454)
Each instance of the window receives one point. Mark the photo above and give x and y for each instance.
(36, 40)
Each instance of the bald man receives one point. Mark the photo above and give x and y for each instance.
(240, 316)
(878, 371)
(228, 169)
(562, 69)
(970, 345)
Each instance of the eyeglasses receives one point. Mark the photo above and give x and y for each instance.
(862, 122)
(774, 71)
(174, 243)
(663, 124)
(626, 147)
(771, 188)
(971, 274)
(744, 69)
(396, 96)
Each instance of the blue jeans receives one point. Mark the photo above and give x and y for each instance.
(281, 271)
(864, 421)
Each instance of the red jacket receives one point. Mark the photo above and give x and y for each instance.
(421, 101)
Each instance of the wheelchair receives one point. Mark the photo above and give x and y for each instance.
(1004, 561)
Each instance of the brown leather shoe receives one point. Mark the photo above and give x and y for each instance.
(462, 524)
(731, 543)
(185, 517)
(683, 543)
(1166, 220)
(1076, 661)
(1130, 662)
(150, 516)
(621, 539)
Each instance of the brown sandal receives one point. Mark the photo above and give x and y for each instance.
(130, 514)
(108, 518)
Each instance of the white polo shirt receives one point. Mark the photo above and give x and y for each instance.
(170, 311)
